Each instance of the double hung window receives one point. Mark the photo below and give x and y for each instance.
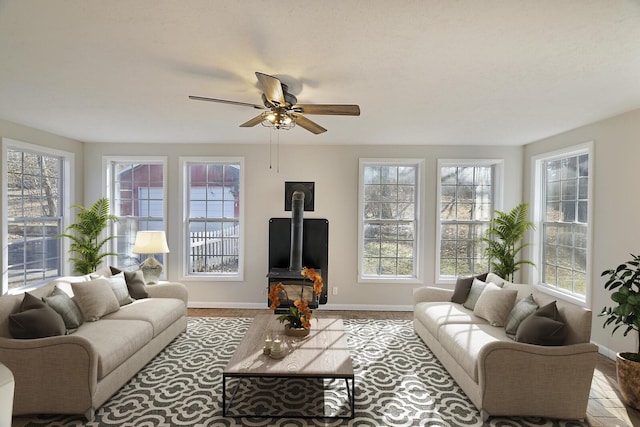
(389, 219)
(467, 196)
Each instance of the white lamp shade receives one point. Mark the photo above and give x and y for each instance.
(150, 242)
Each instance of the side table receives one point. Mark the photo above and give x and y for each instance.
(6, 396)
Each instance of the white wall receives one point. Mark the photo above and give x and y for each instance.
(616, 205)
(334, 169)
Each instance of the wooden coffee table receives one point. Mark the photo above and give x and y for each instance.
(323, 354)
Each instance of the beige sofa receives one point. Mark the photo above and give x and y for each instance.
(503, 377)
(76, 373)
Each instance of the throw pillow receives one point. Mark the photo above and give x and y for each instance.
(494, 304)
(65, 307)
(523, 309)
(474, 293)
(543, 327)
(463, 286)
(135, 283)
(95, 298)
(119, 287)
(35, 319)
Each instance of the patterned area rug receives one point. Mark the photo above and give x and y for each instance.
(398, 383)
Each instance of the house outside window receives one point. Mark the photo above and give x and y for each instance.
(34, 203)
(562, 208)
(213, 213)
(389, 220)
(137, 191)
(468, 193)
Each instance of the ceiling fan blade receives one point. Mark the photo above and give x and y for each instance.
(328, 109)
(224, 101)
(307, 124)
(272, 88)
(256, 120)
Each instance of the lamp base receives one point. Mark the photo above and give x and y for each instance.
(151, 270)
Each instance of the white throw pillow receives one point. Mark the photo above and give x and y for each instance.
(495, 304)
(476, 289)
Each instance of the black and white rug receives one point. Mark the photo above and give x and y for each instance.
(398, 383)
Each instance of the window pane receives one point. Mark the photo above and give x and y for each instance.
(389, 217)
(466, 206)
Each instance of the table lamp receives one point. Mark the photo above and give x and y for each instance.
(150, 242)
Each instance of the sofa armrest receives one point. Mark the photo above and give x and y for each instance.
(524, 379)
(51, 374)
(431, 294)
(168, 290)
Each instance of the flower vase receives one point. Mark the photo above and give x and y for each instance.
(295, 332)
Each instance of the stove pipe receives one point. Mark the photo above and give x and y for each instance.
(297, 212)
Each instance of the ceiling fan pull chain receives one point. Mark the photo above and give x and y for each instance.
(270, 148)
(278, 150)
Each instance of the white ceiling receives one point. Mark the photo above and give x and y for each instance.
(497, 72)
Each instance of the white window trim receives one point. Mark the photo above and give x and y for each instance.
(107, 185)
(535, 274)
(419, 262)
(184, 215)
(498, 198)
(68, 191)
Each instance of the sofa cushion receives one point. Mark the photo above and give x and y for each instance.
(523, 309)
(495, 304)
(463, 286)
(135, 282)
(435, 314)
(115, 341)
(476, 289)
(65, 307)
(95, 298)
(120, 289)
(464, 342)
(35, 319)
(543, 327)
(160, 313)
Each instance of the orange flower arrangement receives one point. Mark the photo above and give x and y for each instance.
(300, 314)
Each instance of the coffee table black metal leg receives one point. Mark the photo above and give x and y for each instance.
(351, 395)
(226, 406)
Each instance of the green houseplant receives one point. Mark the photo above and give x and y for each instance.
(504, 240)
(624, 283)
(84, 234)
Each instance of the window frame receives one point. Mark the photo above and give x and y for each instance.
(67, 188)
(184, 243)
(418, 262)
(109, 186)
(497, 201)
(538, 192)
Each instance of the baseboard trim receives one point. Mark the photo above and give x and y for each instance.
(606, 352)
(334, 307)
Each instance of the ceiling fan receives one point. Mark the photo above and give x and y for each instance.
(282, 110)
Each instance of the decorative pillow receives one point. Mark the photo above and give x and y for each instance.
(135, 282)
(119, 287)
(65, 307)
(95, 298)
(35, 320)
(494, 304)
(523, 309)
(474, 293)
(463, 286)
(543, 327)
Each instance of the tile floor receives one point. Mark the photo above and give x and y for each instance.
(605, 407)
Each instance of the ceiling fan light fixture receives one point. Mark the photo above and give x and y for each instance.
(278, 120)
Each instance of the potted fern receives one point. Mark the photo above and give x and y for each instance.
(86, 243)
(624, 283)
(504, 240)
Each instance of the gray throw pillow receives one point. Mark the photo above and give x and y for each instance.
(120, 289)
(65, 307)
(35, 320)
(543, 327)
(523, 309)
(476, 289)
(135, 282)
(463, 286)
(95, 298)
